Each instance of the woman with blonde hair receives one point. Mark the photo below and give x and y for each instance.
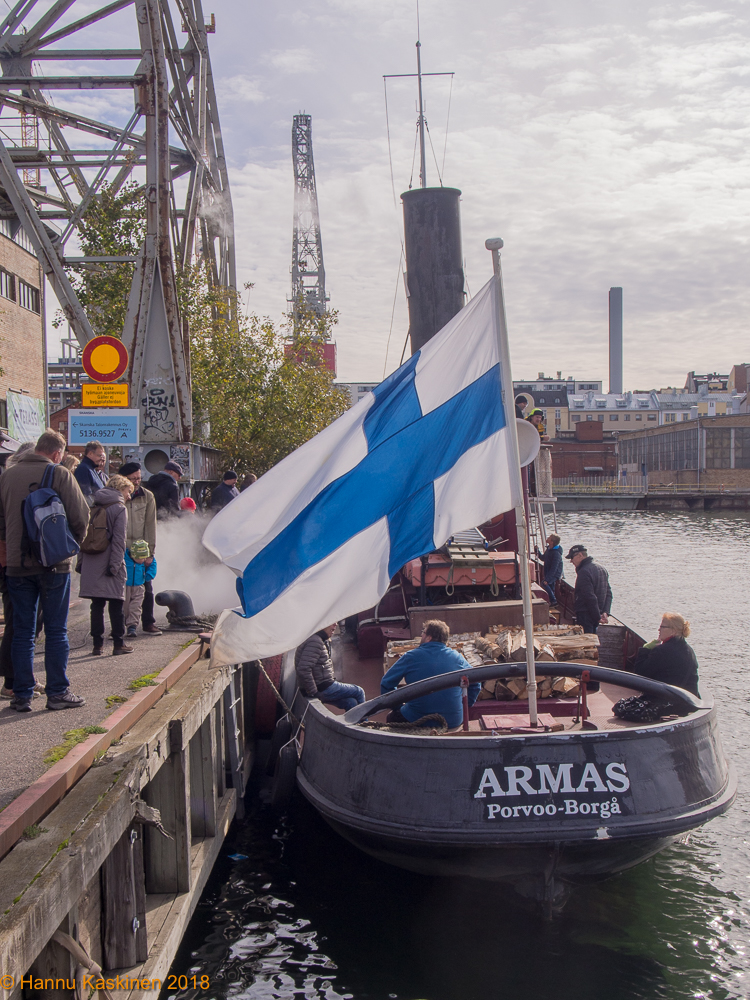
(668, 659)
(70, 462)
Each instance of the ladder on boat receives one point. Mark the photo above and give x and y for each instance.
(232, 698)
(543, 506)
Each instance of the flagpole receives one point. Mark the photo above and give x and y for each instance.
(495, 245)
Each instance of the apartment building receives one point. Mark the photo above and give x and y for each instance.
(23, 381)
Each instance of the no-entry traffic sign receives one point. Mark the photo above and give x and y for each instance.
(104, 359)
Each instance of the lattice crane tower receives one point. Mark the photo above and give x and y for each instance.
(169, 141)
(308, 272)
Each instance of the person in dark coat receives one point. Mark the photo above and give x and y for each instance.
(312, 662)
(89, 472)
(225, 492)
(553, 565)
(164, 487)
(668, 659)
(593, 596)
(103, 574)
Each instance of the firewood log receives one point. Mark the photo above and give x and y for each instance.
(503, 692)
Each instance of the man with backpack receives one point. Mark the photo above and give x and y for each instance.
(43, 517)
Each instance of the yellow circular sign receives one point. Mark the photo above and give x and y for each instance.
(105, 358)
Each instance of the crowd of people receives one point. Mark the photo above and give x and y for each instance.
(110, 529)
(110, 523)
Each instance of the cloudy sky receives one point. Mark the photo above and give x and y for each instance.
(606, 142)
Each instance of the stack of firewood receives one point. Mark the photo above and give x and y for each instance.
(503, 644)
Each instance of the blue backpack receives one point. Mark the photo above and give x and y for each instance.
(46, 524)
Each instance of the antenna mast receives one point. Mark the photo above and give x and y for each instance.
(421, 122)
(308, 272)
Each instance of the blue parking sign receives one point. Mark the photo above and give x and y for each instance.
(111, 427)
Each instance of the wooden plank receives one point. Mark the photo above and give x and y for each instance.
(54, 963)
(167, 859)
(44, 900)
(43, 794)
(170, 936)
(219, 749)
(123, 926)
(206, 686)
(202, 785)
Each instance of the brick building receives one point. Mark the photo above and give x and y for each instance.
(587, 451)
(22, 340)
(707, 451)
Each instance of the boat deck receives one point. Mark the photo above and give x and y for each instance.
(368, 673)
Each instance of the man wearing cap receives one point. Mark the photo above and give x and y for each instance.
(164, 487)
(536, 417)
(593, 596)
(141, 509)
(225, 492)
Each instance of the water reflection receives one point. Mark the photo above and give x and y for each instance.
(303, 914)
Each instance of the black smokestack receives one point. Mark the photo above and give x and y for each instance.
(434, 262)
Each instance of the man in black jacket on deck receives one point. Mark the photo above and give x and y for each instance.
(593, 596)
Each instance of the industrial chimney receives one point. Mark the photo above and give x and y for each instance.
(615, 340)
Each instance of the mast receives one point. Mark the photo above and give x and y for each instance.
(506, 387)
(421, 122)
(432, 238)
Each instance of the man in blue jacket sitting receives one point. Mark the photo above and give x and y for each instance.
(432, 657)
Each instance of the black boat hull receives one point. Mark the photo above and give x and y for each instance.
(537, 811)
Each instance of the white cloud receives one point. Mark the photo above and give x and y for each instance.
(607, 143)
(240, 88)
(292, 60)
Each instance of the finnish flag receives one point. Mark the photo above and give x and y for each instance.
(424, 455)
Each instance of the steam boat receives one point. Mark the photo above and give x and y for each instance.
(542, 796)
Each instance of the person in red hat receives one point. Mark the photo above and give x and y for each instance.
(187, 505)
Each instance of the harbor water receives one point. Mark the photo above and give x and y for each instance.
(292, 911)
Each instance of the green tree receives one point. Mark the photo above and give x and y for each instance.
(256, 395)
(113, 225)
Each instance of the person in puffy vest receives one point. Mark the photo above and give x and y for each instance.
(29, 583)
(103, 572)
(315, 676)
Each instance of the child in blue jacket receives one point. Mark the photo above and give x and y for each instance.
(140, 567)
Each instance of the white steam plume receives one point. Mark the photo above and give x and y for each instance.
(184, 564)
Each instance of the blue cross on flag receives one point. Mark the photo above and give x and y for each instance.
(319, 536)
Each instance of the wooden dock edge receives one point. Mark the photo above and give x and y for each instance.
(43, 794)
(102, 871)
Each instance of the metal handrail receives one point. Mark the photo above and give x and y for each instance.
(477, 675)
